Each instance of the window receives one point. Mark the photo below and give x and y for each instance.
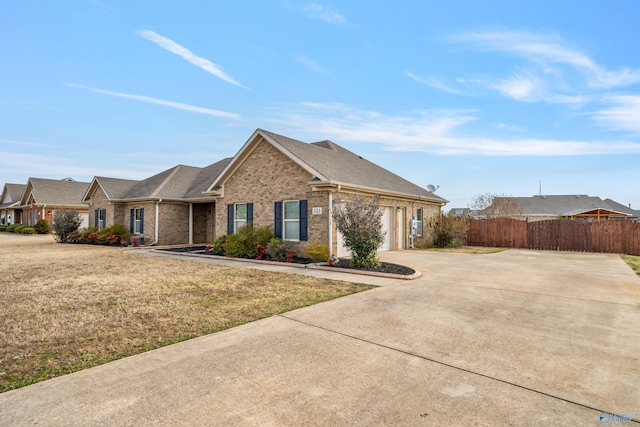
(240, 218)
(291, 220)
(35, 217)
(136, 220)
(101, 218)
(419, 221)
(238, 215)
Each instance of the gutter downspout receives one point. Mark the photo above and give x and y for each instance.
(155, 242)
(191, 223)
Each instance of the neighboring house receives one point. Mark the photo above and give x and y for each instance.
(292, 187)
(580, 206)
(165, 209)
(9, 202)
(460, 212)
(43, 197)
(632, 214)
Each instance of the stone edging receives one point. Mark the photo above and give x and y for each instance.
(294, 265)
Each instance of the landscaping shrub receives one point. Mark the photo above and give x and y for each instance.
(240, 244)
(243, 243)
(42, 226)
(3, 228)
(218, 245)
(361, 226)
(28, 230)
(317, 252)
(65, 222)
(262, 235)
(15, 228)
(449, 231)
(276, 248)
(113, 235)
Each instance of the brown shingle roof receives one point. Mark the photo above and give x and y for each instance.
(338, 164)
(55, 192)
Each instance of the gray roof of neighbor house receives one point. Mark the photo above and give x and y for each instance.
(460, 211)
(11, 194)
(564, 205)
(54, 192)
(333, 163)
(633, 213)
(177, 183)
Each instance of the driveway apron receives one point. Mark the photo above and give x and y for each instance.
(513, 338)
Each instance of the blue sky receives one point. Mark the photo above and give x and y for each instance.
(475, 97)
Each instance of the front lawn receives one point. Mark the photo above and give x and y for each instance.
(64, 308)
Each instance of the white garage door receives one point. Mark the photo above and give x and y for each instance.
(386, 228)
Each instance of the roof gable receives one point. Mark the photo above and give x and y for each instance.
(54, 192)
(328, 162)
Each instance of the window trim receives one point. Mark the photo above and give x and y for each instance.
(419, 227)
(102, 218)
(285, 220)
(235, 216)
(137, 220)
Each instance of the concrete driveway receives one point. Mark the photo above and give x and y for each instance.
(514, 338)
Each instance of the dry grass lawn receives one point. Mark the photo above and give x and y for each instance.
(633, 262)
(64, 308)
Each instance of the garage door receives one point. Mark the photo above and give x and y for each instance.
(386, 228)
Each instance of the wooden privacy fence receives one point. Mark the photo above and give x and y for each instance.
(556, 234)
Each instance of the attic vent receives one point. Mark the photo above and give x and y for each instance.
(577, 196)
(360, 157)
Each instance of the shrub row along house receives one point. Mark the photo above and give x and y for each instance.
(275, 181)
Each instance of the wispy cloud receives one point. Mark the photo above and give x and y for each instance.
(434, 82)
(323, 13)
(433, 131)
(312, 65)
(33, 144)
(150, 100)
(198, 61)
(547, 50)
(623, 115)
(53, 166)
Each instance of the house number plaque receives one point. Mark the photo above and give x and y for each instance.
(316, 211)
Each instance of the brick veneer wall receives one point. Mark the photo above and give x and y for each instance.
(268, 176)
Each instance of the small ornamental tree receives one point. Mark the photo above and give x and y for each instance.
(361, 226)
(64, 223)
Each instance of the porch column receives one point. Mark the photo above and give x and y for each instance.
(191, 223)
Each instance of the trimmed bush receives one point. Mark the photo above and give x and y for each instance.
(42, 227)
(317, 252)
(3, 227)
(276, 248)
(240, 244)
(218, 245)
(28, 230)
(15, 228)
(243, 243)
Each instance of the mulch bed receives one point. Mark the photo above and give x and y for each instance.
(385, 267)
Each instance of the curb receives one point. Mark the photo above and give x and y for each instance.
(294, 265)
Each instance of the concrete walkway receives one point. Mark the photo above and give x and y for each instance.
(514, 338)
